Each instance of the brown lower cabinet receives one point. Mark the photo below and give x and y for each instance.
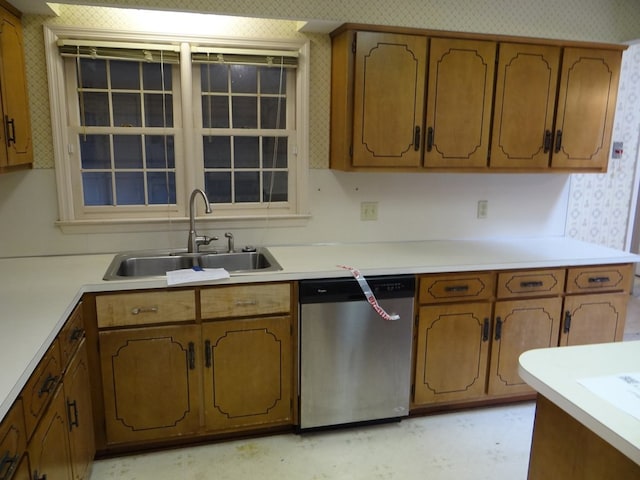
(229, 369)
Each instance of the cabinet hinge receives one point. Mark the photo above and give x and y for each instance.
(353, 46)
(351, 151)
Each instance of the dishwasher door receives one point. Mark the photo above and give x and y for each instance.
(354, 365)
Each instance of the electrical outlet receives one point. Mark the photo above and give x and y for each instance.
(483, 208)
(368, 211)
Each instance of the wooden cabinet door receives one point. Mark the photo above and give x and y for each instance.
(586, 106)
(15, 104)
(248, 373)
(79, 414)
(526, 86)
(520, 325)
(13, 440)
(151, 382)
(597, 318)
(389, 100)
(22, 472)
(459, 99)
(49, 447)
(452, 352)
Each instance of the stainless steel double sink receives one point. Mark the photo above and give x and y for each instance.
(159, 262)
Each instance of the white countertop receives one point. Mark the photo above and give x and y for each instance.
(554, 373)
(37, 294)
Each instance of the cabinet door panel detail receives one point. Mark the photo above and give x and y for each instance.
(594, 318)
(452, 352)
(519, 326)
(150, 383)
(247, 379)
(524, 121)
(586, 105)
(459, 102)
(389, 98)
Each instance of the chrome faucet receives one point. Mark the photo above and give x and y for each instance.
(194, 241)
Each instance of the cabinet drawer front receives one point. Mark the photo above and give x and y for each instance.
(531, 283)
(447, 288)
(129, 309)
(600, 278)
(71, 335)
(244, 300)
(41, 385)
(12, 440)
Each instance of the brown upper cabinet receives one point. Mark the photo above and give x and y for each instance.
(15, 136)
(416, 100)
(554, 107)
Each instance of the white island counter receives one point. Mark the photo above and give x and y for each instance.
(578, 432)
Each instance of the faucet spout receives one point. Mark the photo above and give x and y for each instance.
(194, 241)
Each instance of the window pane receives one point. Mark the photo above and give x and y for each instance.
(127, 151)
(154, 115)
(273, 80)
(95, 151)
(244, 79)
(217, 186)
(278, 190)
(153, 76)
(130, 188)
(126, 110)
(245, 112)
(247, 187)
(273, 112)
(94, 109)
(215, 112)
(159, 151)
(274, 151)
(246, 153)
(97, 188)
(214, 78)
(161, 187)
(93, 73)
(125, 75)
(217, 152)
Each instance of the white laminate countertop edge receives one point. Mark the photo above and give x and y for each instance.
(554, 373)
(37, 294)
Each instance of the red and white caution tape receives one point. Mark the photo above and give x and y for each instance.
(368, 293)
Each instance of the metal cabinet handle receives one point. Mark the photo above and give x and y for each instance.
(139, 310)
(192, 356)
(485, 330)
(7, 465)
(245, 303)
(457, 288)
(498, 334)
(558, 141)
(73, 420)
(207, 353)
(535, 283)
(567, 321)
(38, 477)
(10, 130)
(599, 279)
(76, 334)
(547, 141)
(416, 139)
(429, 139)
(48, 385)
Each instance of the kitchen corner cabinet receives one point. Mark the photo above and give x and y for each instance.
(595, 306)
(225, 366)
(526, 134)
(16, 150)
(416, 100)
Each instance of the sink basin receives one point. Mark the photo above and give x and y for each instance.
(158, 263)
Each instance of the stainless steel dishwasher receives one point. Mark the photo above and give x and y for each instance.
(355, 366)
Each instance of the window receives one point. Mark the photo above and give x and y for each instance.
(141, 124)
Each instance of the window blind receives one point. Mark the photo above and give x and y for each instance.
(276, 58)
(142, 52)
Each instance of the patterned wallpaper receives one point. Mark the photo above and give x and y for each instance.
(599, 204)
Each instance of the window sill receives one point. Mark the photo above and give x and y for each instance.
(133, 225)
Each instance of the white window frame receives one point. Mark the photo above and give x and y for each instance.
(173, 218)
